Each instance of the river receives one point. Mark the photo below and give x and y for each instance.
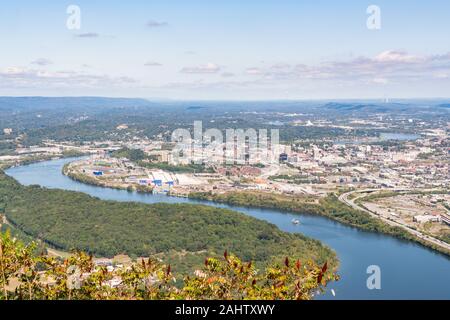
(408, 270)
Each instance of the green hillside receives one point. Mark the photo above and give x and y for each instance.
(180, 234)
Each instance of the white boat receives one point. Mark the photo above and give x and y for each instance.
(295, 221)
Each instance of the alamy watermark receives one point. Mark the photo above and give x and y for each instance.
(74, 20)
(237, 146)
(374, 280)
(374, 20)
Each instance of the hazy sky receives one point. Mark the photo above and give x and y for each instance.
(226, 49)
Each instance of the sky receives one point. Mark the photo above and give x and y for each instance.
(226, 49)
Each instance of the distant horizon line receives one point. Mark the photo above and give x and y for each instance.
(155, 99)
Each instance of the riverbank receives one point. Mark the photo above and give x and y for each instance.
(69, 220)
(82, 178)
(329, 207)
(363, 201)
(27, 160)
(402, 262)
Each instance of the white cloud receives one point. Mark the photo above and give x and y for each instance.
(209, 68)
(87, 35)
(380, 81)
(42, 62)
(20, 77)
(390, 71)
(281, 66)
(153, 64)
(396, 56)
(442, 75)
(228, 74)
(253, 71)
(156, 24)
(389, 64)
(11, 71)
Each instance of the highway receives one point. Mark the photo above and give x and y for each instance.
(345, 198)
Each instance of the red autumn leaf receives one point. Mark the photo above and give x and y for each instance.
(286, 262)
(325, 267)
(211, 280)
(322, 272)
(319, 277)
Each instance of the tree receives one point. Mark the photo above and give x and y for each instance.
(77, 277)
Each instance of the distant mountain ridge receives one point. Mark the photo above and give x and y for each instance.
(49, 103)
(382, 107)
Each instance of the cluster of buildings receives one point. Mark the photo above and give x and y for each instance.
(418, 164)
(314, 168)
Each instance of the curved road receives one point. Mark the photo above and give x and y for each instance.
(351, 202)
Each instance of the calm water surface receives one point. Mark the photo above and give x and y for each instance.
(408, 271)
(399, 136)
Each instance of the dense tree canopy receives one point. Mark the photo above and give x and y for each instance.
(26, 275)
(181, 234)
